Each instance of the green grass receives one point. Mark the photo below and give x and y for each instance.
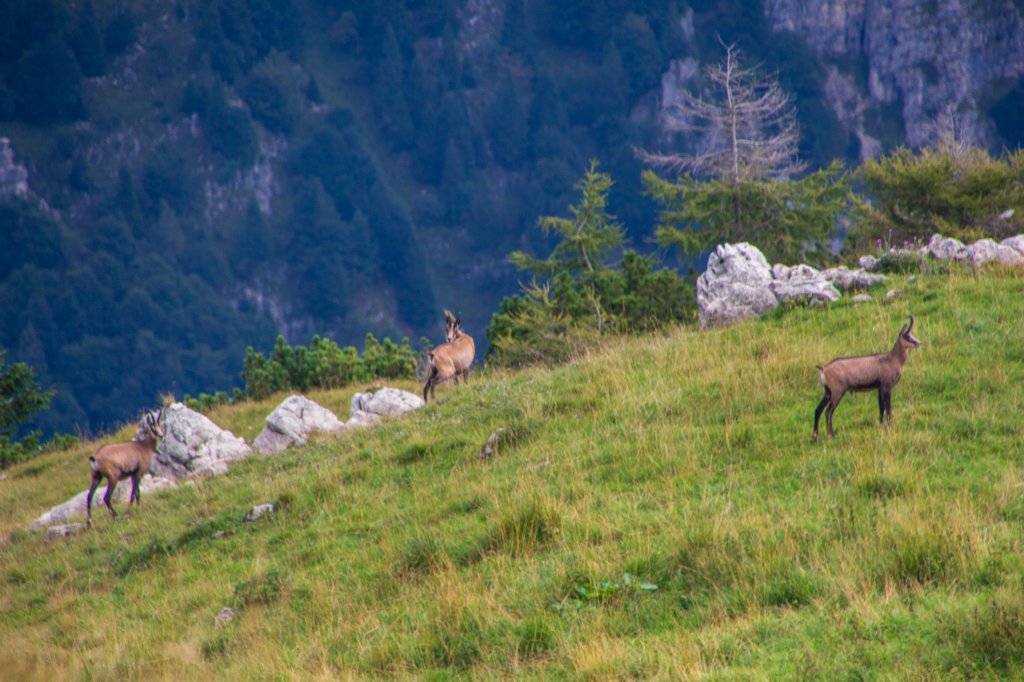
(684, 461)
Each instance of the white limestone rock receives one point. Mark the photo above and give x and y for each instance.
(869, 263)
(846, 279)
(195, 445)
(801, 284)
(946, 248)
(735, 286)
(385, 402)
(981, 252)
(61, 532)
(76, 506)
(1015, 243)
(258, 511)
(292, 423)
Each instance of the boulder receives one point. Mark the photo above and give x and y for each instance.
(384, 402)
(982, 251)
(735, 286)
(195, 445)
(1006, 255)
(945, 248)
(1015, 243)
(258, 511)
(869, 263)
(226, 615)
(292, 423)
(61, 532)
(76, 505)
(801, 284)
(846, 279)
(862, 298)
(492, 445)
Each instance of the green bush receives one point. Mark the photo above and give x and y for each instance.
(325, 365)
(962, 193)
(584, 297)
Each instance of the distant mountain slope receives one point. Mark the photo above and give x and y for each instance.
(188, 179)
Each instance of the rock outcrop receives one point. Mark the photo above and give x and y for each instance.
(739, 284)
(195, 445)
(292, 423)
(62, 531)
(847, 279)
(735, 286)
(77, 504)
(384, 402)
(295, 419)
(801, 284)
(921, 57)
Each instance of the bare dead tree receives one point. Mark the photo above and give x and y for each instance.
(749, 128)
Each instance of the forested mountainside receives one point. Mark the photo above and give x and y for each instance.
(183, 179)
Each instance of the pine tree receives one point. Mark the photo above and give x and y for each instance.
(585, 240)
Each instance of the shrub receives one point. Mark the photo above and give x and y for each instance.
(962, 193)
(325, 365)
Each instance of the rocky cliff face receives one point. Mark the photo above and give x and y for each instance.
(897, 71)
(926, 58)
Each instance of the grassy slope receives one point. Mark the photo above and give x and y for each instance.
(685, 461)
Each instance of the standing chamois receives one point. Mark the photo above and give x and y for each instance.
(880, 371)
(451, 359)
(116, 462)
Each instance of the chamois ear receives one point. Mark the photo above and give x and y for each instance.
(448, 317)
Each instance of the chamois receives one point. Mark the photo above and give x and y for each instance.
(451, 359)
(118, 461)
(864, 373)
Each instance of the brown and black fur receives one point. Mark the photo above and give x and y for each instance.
(118, 461)
(880, 372)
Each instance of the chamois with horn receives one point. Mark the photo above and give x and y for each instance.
(452, 359)
(880, 372)
(118, 461)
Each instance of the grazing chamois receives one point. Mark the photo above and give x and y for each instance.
(880, 371)
(451, 359)
(118, 461)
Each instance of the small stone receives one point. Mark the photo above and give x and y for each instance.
(893, 293)
(868, 263)
(258, 511)
(219, 534)
(490, 448)
(862, 298)
(912, 278)
(60, 532)
(226, 615)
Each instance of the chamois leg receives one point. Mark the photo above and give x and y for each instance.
(881, 406)
(818, 410)
(108, 498)
(888, 404)
(97, 478)
(832, 405)
(429, 383)
(136, 496)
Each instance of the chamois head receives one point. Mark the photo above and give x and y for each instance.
(906, 339)
(151, 426)
(452, 324)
